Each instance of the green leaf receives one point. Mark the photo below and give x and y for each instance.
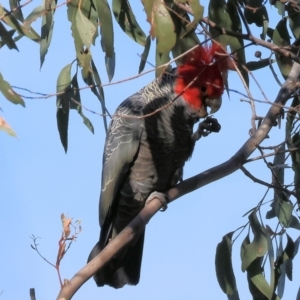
(93, 17)
(289, 122)
(161, 59)
(72, 12)
(37, 12)
(11, 21)
(127, 21)
(295, 154)
(236, 44)
(84, 59)
(62, 117)
(280, 8)
(280, 269)
(298, 294)
(258, 247)
(271, 260)
(262, 63)
(246, 242)
(285, 213)
(258, 285)
(77, 106)
(272, 213)
(145, 54)
(226, 16)
(86, 28)
(98, 83)
(110, 63)
(106, 27)
(63, 82)
(261, 283)
(224, 270)
(294, 223)
(63, 89)
(279, 160)
(98, 92)
(281, 38)
(6, 37)
(148, 5)
(288, 256)
(184, 43)
(162, 28)
(259, 16)
(270, 32)
(296, 169)
(198, 11)
(16, 9)
(296, 248)
(47, 28)
(45, 43)
(294, 20)
(253, 270)
(6, 127)
(9, 93)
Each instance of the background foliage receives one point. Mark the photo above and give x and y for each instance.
(175, 31)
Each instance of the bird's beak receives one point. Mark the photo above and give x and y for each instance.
(214, 104)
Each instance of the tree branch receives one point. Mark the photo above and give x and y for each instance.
(187, 186)
(271, 186)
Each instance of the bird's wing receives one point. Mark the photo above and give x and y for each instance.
(121, 146)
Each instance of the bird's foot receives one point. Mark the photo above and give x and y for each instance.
(206, 127)
(161, 197)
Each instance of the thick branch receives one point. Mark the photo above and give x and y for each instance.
(187, 186)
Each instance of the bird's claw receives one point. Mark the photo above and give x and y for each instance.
(206, 127)
(161, 197)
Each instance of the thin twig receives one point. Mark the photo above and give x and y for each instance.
(271, 186)
(15, 9)
(270, 154)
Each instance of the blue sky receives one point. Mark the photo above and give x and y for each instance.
(39, 181)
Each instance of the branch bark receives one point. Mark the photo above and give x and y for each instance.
(187, 186)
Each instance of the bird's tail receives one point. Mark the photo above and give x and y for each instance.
(123, 268)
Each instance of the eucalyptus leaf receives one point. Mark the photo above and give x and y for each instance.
(226, 16)
(145, 54)
(16, 9)
(127, 21)
(258, 247)
(6, 37)
(161, 59)
(4, 126)
(85, 28)
(9, 93)
(11, 21)
(45, 43)
(110, 63)
(77, 106)
(223, 264)
(162, 27)
(36, 13)
(256, 65)
(106, 31)
(63, 89)
(198, 11)
(47, 28)
(281, 38)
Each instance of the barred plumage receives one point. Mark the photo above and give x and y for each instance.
(143, 155)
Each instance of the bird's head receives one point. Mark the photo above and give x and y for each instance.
(200, 79)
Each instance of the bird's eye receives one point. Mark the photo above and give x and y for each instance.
(203, 89)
